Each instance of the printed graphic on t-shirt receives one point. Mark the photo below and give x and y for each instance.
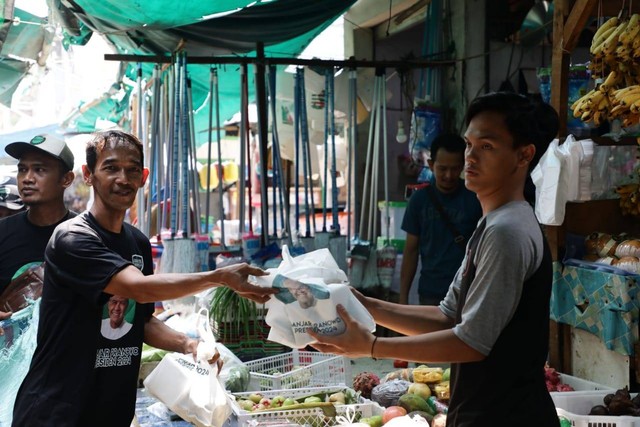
(117, 317)
(291, 290)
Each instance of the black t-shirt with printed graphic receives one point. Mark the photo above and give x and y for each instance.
(79, 377)
(22, 243)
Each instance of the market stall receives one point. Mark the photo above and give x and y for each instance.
(589, 338)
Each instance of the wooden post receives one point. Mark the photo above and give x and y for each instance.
(560, 65)
(568, 22)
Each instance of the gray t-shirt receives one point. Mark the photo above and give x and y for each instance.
(509, 251)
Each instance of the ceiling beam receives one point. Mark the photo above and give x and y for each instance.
(580, 13)
(402, 21)
(369, 13)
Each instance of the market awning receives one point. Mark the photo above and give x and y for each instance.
(230, 27)
(20, 46)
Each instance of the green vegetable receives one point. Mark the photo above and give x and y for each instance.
(238, 380)
(152, 354)
(312, 399)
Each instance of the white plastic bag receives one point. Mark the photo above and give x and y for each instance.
(191, 388)
(557, 178)
(310, 286)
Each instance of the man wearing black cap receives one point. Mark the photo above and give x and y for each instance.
(45, 170)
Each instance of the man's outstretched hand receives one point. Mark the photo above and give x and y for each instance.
(236, 277)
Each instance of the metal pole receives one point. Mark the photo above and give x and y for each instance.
(263, 136)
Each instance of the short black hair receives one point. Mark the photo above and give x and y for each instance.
(451, 142)
(528, 121)
(111, 138)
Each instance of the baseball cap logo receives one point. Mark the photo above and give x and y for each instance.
(37, 140)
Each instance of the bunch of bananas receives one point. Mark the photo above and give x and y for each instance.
(615, 53)
(616, 46)
(593, 106)
(629, 198)
(626, 105)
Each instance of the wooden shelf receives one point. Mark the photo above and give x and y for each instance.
(627, 140)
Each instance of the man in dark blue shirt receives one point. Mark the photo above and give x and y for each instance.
(435, 217)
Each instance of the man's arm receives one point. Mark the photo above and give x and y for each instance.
(131, 283)
(159, 335)
(407, 320)
(409, 266)
(436, 347)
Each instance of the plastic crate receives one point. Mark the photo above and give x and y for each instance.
(574, 405)
(580, 387)
(299, 417)
(299, 369)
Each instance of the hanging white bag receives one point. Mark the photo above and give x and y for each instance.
(191, 388)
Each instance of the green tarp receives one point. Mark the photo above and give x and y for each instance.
(19, 44)
(285, 27)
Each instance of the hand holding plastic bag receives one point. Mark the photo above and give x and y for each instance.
(310, 287)
(191, 388)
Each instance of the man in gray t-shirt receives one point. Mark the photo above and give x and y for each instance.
(493, 325)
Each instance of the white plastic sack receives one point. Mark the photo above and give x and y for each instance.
(407, 421)
(191, 388)
(557, 178)
(310, 287)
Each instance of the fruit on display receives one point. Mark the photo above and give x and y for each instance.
(439, 420)
(413, 402)
(325, 400)
(364, 382)
(420, 389)
(427, 375)
(392, 412)
(615, 59)
(553, 381)
(400, 363)
(618, 403)
(372, 421)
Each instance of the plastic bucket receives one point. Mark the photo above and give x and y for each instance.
(386, 263)
(396, 214)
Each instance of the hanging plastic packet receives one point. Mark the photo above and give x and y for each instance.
(426, 124)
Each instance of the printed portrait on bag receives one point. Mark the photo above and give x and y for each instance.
(291, 290)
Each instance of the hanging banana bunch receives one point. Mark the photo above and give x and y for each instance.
(615, 53)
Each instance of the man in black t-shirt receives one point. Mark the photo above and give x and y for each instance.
(45, 170)
(79, 376)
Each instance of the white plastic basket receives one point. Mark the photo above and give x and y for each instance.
(580, 387)
(299, 417)
(299, 369)
(573, 406)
